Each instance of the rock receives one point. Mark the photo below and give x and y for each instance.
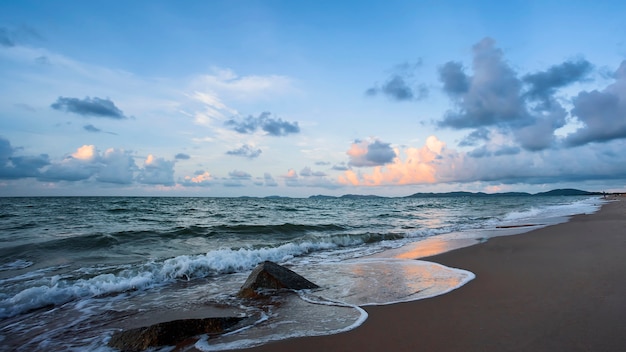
(169, 333)
(269, 275)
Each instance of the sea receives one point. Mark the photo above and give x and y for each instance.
(75, 270)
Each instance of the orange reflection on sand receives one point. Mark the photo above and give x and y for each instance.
(391, 280)
(425, 248)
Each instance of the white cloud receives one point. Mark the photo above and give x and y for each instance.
(114, 166)
(225, 82)
(157, 171)
(118, 166)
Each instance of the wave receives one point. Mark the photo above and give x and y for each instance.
(80, 243)
(286, 228)
(57, 290)
(328, 241)
(17, 264)
(535, 212)
(119, 210)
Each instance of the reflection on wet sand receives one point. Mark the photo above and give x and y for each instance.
(426, 248)
(377, 281)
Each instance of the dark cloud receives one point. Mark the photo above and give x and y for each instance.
(493, 96)
(480, 152)
(376, 153)
(455, 81)
(91, 128)
(89, 107)
(273, 126)
(246, 150)
(269, 180)
(538, 134)
(401, 84)
(340, 167)
(157, 171)
(372, 91)
(70, 169)
(507, 150)
(474, 138)
(398, 88)
(42, 60)
(116, 166)
(322, 163)
(307, 172)
(182, 156)
(14, 167)
(560, 165)
(544, 84)
(603, 113)
(380, 153)
(239, 175)
(10, 37)
(113, 166)
(6, 37)
(293, 180)
(94, 129)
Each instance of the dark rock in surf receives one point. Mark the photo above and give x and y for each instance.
(271, 276)
(169, 333)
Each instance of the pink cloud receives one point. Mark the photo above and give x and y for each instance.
(412, 166)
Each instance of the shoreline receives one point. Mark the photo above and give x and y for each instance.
(558, 287)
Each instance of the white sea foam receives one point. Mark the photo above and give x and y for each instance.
(18, 264)
(350, 285)
(300, 316)
(57, 290)
(551, 211)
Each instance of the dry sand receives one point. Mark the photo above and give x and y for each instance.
(559, 288)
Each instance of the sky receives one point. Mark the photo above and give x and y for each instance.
(299, 98)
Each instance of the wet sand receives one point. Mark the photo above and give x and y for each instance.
(558, 288)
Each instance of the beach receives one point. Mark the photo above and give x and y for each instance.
(558, 288)
(75, 270)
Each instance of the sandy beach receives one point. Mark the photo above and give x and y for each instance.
(559, 288)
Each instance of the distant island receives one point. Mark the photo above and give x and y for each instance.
(554, 192)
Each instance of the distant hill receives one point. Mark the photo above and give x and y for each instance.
(555, 192)
(567, 192)
(348, 196)
(352, 196)
(467, 194)
(321, 196)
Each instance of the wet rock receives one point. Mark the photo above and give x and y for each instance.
(269, 275)
(169, 333)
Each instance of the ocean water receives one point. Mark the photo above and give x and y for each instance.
(73, 270)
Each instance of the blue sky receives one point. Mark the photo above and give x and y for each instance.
(294, 98)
